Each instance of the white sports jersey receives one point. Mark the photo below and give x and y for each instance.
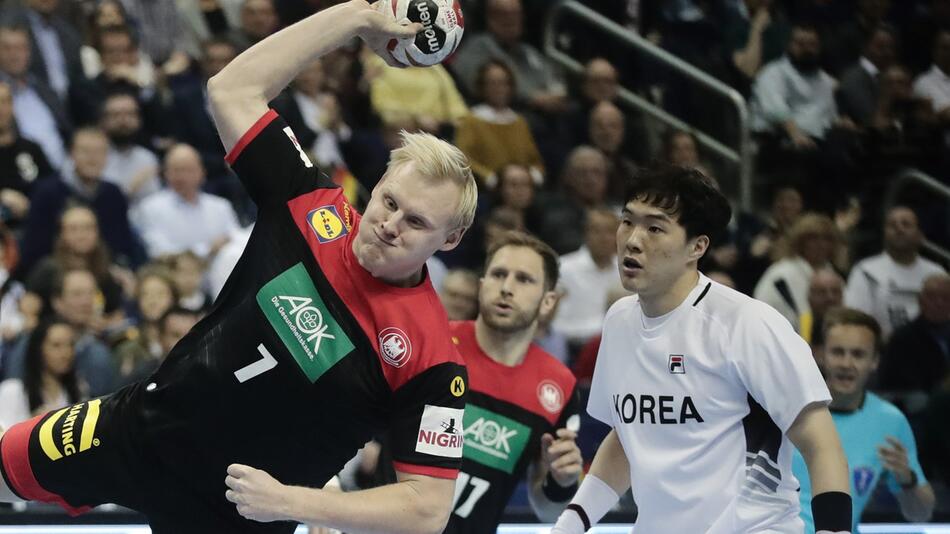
(701, 399)
(887, 290)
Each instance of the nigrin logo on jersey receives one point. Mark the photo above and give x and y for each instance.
(440, 431)
(326, 223)
(67, 434)
(649, 407)
(677, 364)
(395, 346)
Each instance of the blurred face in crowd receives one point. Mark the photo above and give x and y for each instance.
(942, 52)
(600, 235)
(79, 230)
(600, 81)
(14, 52)
(109, 13)
(512, 293)
(184, 171)
(188, 273)
(59, 349)
(120, 120)
(6, 108)
(606, 127)
(77, 303)
(786, 206)
(848, 359)
(902, 235)
(896, 81)
(497, 87)
(683, 150)
(825, 291)
(881, 49)
(817, 247)
(216, 57)
(89, 152)
(155, 297)
(459, 295)
(516, 187)
(804, 50)
(259, 18)
(935, 299)
(174, 328)
(310, 80)
(586, 175)
(117, 49)
(44, 7)
(504, 20)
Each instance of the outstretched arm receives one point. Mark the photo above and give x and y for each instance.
(240, 92)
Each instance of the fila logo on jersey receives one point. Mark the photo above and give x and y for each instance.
(652, 409)
(440, 431)
(75, 434)
(494, 440)
(550, 396)
(293, 139)
(395, 347)
(326, 223)
(677, 364)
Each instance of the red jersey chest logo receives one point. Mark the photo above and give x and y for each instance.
(395, 347)
(550, 396)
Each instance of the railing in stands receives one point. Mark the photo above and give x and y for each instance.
(740, 156)
(912, 176)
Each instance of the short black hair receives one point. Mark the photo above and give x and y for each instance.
(685, 194)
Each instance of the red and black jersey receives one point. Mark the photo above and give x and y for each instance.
(508, 410)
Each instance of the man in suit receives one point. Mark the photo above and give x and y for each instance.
(857, 94)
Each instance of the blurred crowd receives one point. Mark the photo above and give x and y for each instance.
(120, 221)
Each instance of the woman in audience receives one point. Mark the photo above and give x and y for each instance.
(49, 375)
(494, 135)
(514, 189)
(155, 295)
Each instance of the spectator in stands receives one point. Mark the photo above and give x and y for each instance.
(586, 358)
(494, 135)
(588, 275)
(188, 272)
(83, 184)
(860, 84)
(39, 114)
(755, 33)
(935, 83)
(917, 358)
(886, 286)
(558, 217)
(813, 242)
(825, 291)
(75, 298)
(161, 32)
(315, 116)
(155, 295)
(106, 15)
(174, 324)
(514, 188)
(206, 19)
(183, 217)
(79, 246)
(49, 380)
(846, 41)
(129, 165)
(537, 83)
(792, 97)
(876, 436)
(22, 162)
(680, 148)
(54, 43)
(258, 20)
(920, 31)
(607, 127)
(905, 130)
(459, 294)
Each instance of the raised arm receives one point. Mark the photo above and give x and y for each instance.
(240, 92)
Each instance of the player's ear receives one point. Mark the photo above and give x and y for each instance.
(453, 239)
(698, 247)
(548, 302)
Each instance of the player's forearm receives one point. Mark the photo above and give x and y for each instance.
(396, 508)
(263, 70)
(917, 504)
(546, 509)
(610, 464)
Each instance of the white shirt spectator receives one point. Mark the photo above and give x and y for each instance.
(784, 286)
(15, 405)
(225, 260)
(935, 86)
(887, 290)
(580, 314)
(134, 170)
(782, 93)
(169, 224)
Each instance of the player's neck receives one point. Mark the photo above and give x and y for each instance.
(667, 301)
(506, 348)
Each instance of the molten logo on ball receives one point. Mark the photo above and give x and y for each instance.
(442, 28)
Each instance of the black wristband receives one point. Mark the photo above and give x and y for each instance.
(913, 481)
(556, 492)
(580, 513)
(832, 511)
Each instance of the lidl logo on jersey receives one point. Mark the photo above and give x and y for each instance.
(494, 440)
(327, 224)
(70, 430)
(295, 310)
(440, 431)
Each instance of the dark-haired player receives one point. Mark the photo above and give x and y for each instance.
(327, 332)
(704, 387)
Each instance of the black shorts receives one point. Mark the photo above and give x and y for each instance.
(91, 453)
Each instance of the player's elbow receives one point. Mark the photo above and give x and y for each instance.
(431, 515)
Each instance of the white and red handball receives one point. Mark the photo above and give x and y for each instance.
(442, 28)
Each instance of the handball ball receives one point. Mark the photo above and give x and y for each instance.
(442, 27)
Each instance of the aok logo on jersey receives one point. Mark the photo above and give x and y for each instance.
(494, 440)
(76, 432)
(295, 310)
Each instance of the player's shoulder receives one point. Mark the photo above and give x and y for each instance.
(882, 410)
(731, 308)
(413, 331)
(622, 310)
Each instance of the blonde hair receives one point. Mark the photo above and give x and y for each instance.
(807, 225)
(438, 160)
